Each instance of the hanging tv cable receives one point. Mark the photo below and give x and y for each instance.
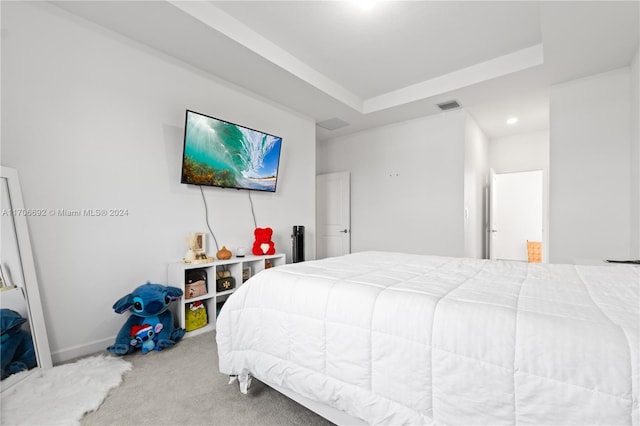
(206, 216)
(253, 213)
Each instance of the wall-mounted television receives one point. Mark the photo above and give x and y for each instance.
(219, 153)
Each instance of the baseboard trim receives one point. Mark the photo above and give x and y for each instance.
(79, 351)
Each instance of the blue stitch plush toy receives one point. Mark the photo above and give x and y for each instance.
(145, 337)
(149, 305)
(16, 347)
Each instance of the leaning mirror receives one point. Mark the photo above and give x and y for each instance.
(24, 345)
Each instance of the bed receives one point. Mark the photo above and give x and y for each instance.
(392, 338)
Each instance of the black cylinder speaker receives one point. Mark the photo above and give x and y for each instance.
(297, 241)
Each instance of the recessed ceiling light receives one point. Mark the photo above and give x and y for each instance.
(511, 121)
(365, 5)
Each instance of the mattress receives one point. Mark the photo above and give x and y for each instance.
(394, 338)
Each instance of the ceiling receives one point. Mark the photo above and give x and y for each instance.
(387, 61)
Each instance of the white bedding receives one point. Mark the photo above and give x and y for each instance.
(407, 339)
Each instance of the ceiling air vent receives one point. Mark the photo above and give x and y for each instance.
(446, 106)
(332, 124)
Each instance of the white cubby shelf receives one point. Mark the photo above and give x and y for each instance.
(176, 277)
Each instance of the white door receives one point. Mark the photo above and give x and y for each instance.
(516, 213)
(333, 212)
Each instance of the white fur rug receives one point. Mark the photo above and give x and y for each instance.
(63, 394)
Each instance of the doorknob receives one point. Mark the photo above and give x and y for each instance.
(494, 230)
(345, 231)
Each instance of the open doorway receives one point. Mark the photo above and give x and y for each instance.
(516, 213)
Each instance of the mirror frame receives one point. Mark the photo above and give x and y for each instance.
(31, 289)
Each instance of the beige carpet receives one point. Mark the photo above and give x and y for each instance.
(182, 386)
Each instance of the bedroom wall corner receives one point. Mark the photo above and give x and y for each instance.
(590, 170)
(635, 156)
(476, 172)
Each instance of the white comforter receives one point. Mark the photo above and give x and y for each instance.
(407, 339)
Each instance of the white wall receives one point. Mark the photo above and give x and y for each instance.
(93, 120)
(525, 152)
(520, 152)
(635, 156)
(590, 148)
(476, 168)
(407, 184)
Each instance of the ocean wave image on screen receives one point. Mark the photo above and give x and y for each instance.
(223, 154)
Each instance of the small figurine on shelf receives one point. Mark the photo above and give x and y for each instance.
(197, 249)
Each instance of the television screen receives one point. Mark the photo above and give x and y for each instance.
(219, 153)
